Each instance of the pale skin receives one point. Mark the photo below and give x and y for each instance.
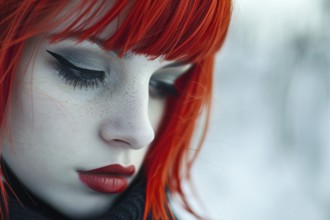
(58, 129)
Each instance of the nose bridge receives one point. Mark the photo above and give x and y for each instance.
(130, 123)
(135, 105)
(136, 118)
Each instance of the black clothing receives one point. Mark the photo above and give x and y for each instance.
(130, 206)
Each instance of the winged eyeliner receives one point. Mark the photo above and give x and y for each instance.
(65, 62)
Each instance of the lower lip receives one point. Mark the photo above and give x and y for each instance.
(104, 183)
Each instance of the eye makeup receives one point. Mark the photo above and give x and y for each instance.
(162, 83)
(77, 76)
(71, 67)
(160, 89)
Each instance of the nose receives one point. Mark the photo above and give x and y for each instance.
(127, 121)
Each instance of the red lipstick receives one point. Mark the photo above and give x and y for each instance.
(108, 179)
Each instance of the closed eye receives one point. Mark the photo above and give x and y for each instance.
(162, 83)
(77, 76)
(160, 89)
(65, 62)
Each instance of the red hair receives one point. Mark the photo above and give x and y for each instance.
(187, 31)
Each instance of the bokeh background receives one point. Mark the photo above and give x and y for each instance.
(267, 155)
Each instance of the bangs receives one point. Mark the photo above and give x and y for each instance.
(186, 31)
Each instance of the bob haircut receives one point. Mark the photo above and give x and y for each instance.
(185, 31)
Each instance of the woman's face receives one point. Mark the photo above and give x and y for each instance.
(77, 108)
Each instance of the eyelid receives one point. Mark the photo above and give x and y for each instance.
(169, 87)
(182, 65)
(176, 68)
(170, 74)
(64, 61)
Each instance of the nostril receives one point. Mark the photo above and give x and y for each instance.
(121, 141)
(134, 142)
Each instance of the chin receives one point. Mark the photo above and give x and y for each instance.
(87, 208)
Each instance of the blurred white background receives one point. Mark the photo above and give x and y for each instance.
(267, 155)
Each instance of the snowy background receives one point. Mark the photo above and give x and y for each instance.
(267, 155)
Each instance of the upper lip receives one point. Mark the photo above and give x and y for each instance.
(115, 169)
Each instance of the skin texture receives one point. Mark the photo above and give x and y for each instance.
(58, 129)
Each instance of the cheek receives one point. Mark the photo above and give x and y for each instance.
(156, 112)
(34, 119)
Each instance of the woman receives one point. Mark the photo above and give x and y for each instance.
(99, 101)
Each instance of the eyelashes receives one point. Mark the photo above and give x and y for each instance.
(77, 76)
(87, 78)
(159, 89)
